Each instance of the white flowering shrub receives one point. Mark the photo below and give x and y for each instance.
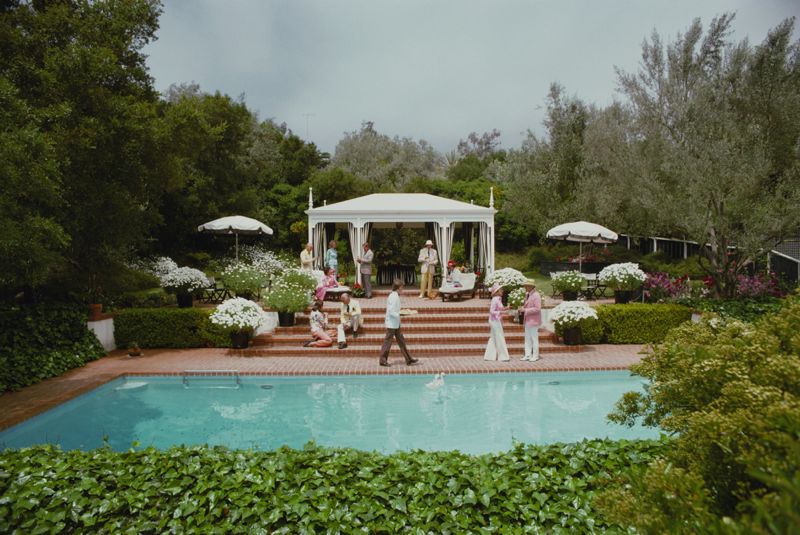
(570, 313)
(516, 298)
(318, 275)
(622, 276)
(184, 280)
(567, 281)
(263, 260)
(243, 278)
(162, 266)
(506, 277)
(238, 314)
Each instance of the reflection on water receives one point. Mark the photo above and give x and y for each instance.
(472, 413)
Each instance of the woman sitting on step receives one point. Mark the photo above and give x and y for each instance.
(323, 337)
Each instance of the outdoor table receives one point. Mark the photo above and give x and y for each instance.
(593, 289)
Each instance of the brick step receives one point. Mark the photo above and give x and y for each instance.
(441, 327)
(423, 317)
(417, 351)
(415, 338)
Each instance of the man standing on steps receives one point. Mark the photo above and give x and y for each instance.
(393, 327)
(428, 258)
(365, 268)
(349, 319)
(532, 311)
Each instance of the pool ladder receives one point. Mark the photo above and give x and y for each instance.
(212, 373)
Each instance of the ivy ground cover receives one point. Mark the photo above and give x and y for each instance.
(529, 489)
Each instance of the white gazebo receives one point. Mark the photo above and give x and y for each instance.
(389, 210)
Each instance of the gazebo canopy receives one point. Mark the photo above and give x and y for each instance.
(412, 209)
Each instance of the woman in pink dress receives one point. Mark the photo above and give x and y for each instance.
(328, 281)
(532, 308)
(496, 349)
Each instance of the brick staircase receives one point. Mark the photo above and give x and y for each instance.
(438, 330)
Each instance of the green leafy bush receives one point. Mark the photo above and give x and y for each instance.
(742, 309)
(151, 298)
(168, 327)
(730, 390)
(634, 323)
(545, 489)
(243, 279)
(37, 342)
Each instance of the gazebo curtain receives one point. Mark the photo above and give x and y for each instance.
(444, 242)
(319, 245)
(483, 245)
(466, 230)
(358, 236)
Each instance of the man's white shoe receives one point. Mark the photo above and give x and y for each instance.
(526, 357)
(534, 359)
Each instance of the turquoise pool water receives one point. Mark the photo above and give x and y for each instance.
(474, 413)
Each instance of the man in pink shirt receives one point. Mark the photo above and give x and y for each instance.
(532, 308)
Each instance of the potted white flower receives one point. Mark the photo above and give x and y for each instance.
(624, 278)
(508, 278)
(240, 317)
(568, 316)
(183, 282)
(516, 298)
(290, 293)
(568, 284)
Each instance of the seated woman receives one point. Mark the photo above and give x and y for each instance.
(319, 323)
(453, 277)
(328, 281)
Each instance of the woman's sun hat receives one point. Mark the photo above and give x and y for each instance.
(495, 288)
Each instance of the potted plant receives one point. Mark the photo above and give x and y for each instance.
(183, 282)
(290, 293)
(567, 316)
(509, 278)
(134, 350)
(516, 298)
(568, 284)
(240, 317)
(624, 278)
(244, 280)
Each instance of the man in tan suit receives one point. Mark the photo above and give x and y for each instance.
(428, 258)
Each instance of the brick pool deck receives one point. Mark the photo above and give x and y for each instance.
(32, 400)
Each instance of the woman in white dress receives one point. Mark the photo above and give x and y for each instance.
(496, 349)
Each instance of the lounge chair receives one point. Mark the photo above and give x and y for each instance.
(467, 287)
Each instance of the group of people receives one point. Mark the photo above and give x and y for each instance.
(350, 310)
(531, 310)
(331, 269)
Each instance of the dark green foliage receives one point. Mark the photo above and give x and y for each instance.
(152, 298)
(742, 309)
(633, 323)
(313, 490)
(639, 323)
(168, 327)
(37, 342)
(730, 391)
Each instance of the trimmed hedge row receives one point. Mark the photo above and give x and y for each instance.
(536, 489)
(41, 341)
(633, 323)
(168, 327)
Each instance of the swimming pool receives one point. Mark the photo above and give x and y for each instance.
(474, 413)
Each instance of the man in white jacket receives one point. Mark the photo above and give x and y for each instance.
(393, 327)
(428, 258)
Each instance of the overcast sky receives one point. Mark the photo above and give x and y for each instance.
(433, 70)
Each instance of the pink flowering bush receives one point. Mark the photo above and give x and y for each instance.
(660, 287)
(758, 285)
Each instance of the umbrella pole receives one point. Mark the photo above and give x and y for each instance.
(237, 246)
(580, 257)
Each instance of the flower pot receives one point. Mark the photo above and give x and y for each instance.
(95, 311)
(184, 300)
(622, 296)
(572, 336)
(240, 339)
(246, 294)
(286, 319)
(570, 296)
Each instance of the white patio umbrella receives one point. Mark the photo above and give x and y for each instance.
(582, 232)
(235, 224)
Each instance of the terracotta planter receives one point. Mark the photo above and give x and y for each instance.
(622, 296)
(570, 296)
(572, 336)
(286, 319)
(184, 300)
(240, 340)
(95, 311)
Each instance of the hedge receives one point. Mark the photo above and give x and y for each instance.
(167, 327)
(41, 341)
(536, 489)
(633, 323)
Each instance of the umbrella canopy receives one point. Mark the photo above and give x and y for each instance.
(582, 232)
(235, 224)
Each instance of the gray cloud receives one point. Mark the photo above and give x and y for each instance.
(424, 69)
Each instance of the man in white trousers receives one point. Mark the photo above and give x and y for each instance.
(532, 309)
(349, 319)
